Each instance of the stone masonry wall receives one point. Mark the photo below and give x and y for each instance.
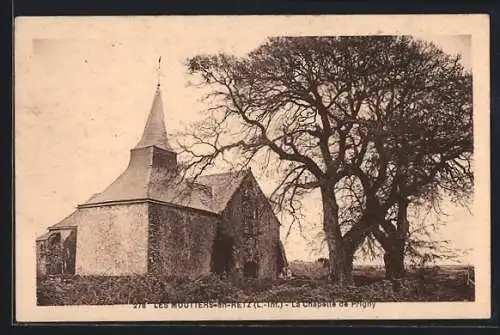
(112, 240)
(181, 241)
(249, 221)
(41, 259)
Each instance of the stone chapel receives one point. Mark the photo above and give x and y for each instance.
(151, 221)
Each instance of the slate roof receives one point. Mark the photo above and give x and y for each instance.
(69, 221)
(133, 183)
(209, 193)
(223, 186)
(43, 237)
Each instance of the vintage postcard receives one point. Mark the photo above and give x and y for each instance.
(172, 168)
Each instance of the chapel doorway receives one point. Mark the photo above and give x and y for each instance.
(222, 254)
(250, 270)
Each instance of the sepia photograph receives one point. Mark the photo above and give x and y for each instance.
(260, 168)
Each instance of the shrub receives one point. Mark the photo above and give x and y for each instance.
(433, 285)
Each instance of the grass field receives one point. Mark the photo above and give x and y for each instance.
(309, 284)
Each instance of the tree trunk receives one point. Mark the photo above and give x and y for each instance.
(349, 260)
(356, 236)
(340, 271)
(394, 260)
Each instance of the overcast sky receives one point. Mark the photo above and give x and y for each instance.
(83, 91)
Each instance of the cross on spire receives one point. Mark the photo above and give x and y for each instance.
(158, 72)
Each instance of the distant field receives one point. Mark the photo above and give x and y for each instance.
(309, 284)
(372, 272)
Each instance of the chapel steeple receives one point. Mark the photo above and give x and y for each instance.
(154, 141)
(154, 133)
(152, 165)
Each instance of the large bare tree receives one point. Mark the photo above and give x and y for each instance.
(425, 148)
(319, 111)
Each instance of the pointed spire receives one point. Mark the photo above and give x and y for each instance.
(154, 131)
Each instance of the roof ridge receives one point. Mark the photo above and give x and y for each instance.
(242, 172)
